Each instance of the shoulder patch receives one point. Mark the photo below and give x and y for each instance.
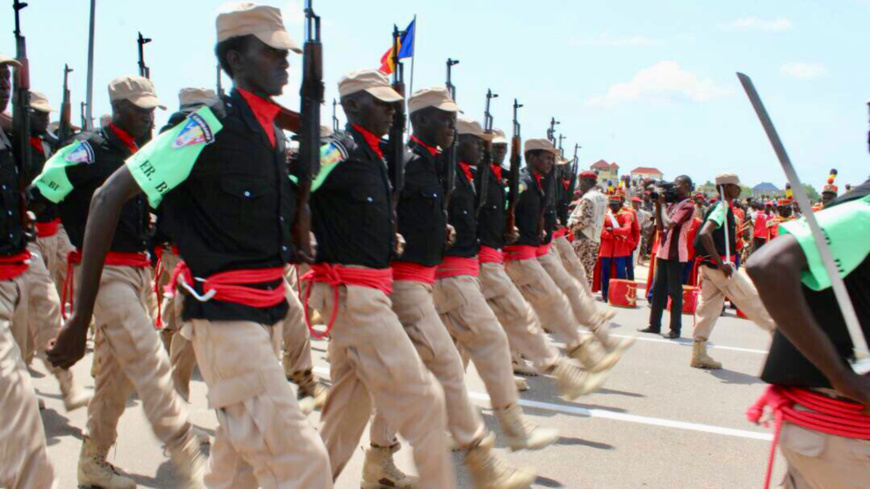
(195, 131)
(331, 153)
(522, 187)
(81, 153)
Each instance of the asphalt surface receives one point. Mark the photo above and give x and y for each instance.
(657, 423)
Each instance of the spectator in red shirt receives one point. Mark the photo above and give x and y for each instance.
(672, 255)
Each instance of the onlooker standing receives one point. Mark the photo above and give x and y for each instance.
(586, 222)
(672, 255)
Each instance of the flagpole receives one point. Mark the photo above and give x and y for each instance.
(413, 50)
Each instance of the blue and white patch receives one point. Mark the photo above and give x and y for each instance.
(82, 153)
(195, 131)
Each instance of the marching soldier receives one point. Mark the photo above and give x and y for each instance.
(462, 305)
(222, 181)
(22, 442)
(563, 246)
(44, 305)
(586, 222)
(373, 360)
(423, 225)
(519, 321)
(720, 278)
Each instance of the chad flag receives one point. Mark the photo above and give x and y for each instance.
(405, 46)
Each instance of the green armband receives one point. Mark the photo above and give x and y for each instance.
(331, 154)
(718, 215)
(53, 182)
(167, 160)
(846, 228)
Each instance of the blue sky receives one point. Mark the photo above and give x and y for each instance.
(636, 82)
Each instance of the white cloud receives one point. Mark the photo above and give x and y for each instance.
(606, 40)
(661, 84)
(804, 70)
(754, 23)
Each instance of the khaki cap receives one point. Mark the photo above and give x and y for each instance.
(561, 161)
(190, 97)
(136, 89)
(467, 125)
(261, 21)
(726, 178)
(438, 97)
(371, 81)
(498, 137)
(6, 60)
(325, 131)
(38, 101)
(538, 144)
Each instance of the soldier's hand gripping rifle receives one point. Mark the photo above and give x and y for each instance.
(396, 149)
(21, 110)
(514, 174)
(483, 168)
(450, 163)
(64, 129)
(307, 125)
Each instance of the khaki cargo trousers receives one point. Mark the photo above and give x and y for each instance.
(715, 288)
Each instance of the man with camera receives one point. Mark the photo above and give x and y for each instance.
(673, 252)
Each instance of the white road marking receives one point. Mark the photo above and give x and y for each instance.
(629, 418)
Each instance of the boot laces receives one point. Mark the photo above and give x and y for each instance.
(104, 464)
(391, 471)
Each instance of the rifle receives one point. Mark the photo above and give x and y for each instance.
(396, 148)
(551, 132)
(84, 116)
(64, 129)
(514, 175)
(450, 170)
(307, 124)
(573, 185)
(483, 168)
(21, 111)
(334, 117)
(144, 70)
(561, 137)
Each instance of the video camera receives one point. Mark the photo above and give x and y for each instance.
(668, 189)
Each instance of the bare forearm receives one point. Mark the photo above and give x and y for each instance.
(776, 270)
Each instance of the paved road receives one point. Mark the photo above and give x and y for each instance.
(656, 424)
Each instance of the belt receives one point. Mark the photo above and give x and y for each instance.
(488, 254)
(455, 266)
(47, 229)
(413, 272)
(836, 417)
(12, 266)
(114, 258)
(336, 275)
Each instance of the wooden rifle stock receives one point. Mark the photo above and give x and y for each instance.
(307, 125)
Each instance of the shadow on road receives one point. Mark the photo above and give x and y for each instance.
(732, 377)
(570, 442)
(57, 426)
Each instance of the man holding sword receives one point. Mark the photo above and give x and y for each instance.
(716, 244)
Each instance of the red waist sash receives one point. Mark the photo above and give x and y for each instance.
(413, 272)
(113, 258)
(47, 229)
(490, 255)
(337, 275)
(14, 265)
(520, 252)
(232, 286)
(819, 412)
(455, 266)
(543, 250)
(560, 233)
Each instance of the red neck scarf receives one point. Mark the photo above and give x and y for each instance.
(36, 143)
(373, 141)
(565, 183)
(125, 138)
(264, 111)
(432, 149)
(466, 169)
(538, 179)
(496, 170)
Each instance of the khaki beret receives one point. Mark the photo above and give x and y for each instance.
(371, 81)
(438, 97)
(38, 101)
(261, 21)
(540, 144)
(6, 60)
(726, 178)
(498, 137)
(191, 97)
(136, 89)
(467, 125)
